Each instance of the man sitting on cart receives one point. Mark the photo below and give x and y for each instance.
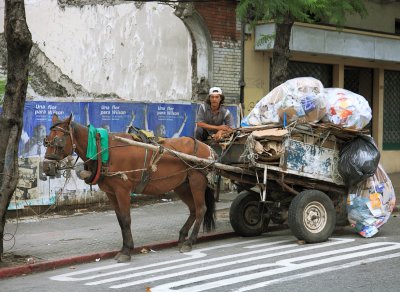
(213, 119)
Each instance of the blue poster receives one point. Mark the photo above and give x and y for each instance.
(170, 120)
(115, 116)
(37, 122)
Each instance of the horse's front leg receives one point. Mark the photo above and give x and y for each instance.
(121, 206)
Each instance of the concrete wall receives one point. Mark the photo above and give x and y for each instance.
(138, 54)
(380, 17)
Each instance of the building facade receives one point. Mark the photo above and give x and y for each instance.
(363, 57)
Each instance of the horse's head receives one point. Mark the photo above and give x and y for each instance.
(59, 144)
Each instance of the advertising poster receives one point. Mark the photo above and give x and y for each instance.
(34, 188)
(115, 116)
(170, 120)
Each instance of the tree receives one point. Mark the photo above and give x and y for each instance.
(19, 44)
(285, 13)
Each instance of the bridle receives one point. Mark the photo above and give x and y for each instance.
(59, 143)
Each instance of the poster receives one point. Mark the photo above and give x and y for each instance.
(34, 188)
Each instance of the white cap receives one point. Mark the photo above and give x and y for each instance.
(215, 90)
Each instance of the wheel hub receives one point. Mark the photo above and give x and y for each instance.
(315, 217)
(252, 214)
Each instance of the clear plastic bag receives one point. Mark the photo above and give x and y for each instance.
(299, 98)
(346, 108)
(370, 203)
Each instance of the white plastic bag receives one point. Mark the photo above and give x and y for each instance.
(297, 99)
(346, 108)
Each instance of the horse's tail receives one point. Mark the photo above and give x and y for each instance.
(209, 216)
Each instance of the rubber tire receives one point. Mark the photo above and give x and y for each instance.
(317, 201)
(245, 204)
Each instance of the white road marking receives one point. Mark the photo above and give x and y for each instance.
(197, 271)
(266, 254)
(69, 277)
(279, 270)
(317, 272)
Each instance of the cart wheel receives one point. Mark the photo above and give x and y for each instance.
(312, 216)
(245, 215)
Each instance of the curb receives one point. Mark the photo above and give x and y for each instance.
(55, 264)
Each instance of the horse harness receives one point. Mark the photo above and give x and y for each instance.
(152, 166)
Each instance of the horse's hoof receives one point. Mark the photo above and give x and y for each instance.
(123, 258)
(117, 255)
(186, 248)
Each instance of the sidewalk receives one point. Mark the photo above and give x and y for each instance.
(395, 178)
(55, 241)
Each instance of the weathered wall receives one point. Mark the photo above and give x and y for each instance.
(138, 52)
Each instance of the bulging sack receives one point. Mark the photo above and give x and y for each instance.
(346, 108)
(358, 160)
(299, 99)
(370, 203)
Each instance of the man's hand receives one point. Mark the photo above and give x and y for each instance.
(221, 133)
(224, 128)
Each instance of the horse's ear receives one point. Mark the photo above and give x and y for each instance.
(54, 118)
(70, 118)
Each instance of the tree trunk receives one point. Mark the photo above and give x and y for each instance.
(19, 44)
(281, 52)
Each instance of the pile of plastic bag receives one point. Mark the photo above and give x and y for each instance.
(304, 99)
(370, 203)
(297, 99)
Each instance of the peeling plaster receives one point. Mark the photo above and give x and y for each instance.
(139, 52)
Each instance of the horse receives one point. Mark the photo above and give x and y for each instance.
(131, 168)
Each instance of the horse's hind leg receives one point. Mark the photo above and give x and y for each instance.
(122, 210)
(198, 185)
(185, 194)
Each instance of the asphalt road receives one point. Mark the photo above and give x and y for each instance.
(275, 261)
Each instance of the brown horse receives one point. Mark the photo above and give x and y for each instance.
(130, 168)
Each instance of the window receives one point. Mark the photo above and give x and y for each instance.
(322, 72)
(397, 26)
(391, 109)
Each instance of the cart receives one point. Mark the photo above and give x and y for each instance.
(288, 175)
(283, 174)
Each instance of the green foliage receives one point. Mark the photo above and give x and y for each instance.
(266, 39)
(310, 11)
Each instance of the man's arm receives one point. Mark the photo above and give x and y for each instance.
(212, 127)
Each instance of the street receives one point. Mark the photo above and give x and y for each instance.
(275, 261)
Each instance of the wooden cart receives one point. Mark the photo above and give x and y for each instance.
(288, 175)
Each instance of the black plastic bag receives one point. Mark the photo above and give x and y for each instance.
(358, 160)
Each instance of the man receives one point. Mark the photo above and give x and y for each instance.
(213, 119)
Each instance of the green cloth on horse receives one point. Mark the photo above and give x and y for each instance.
(91, 151)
